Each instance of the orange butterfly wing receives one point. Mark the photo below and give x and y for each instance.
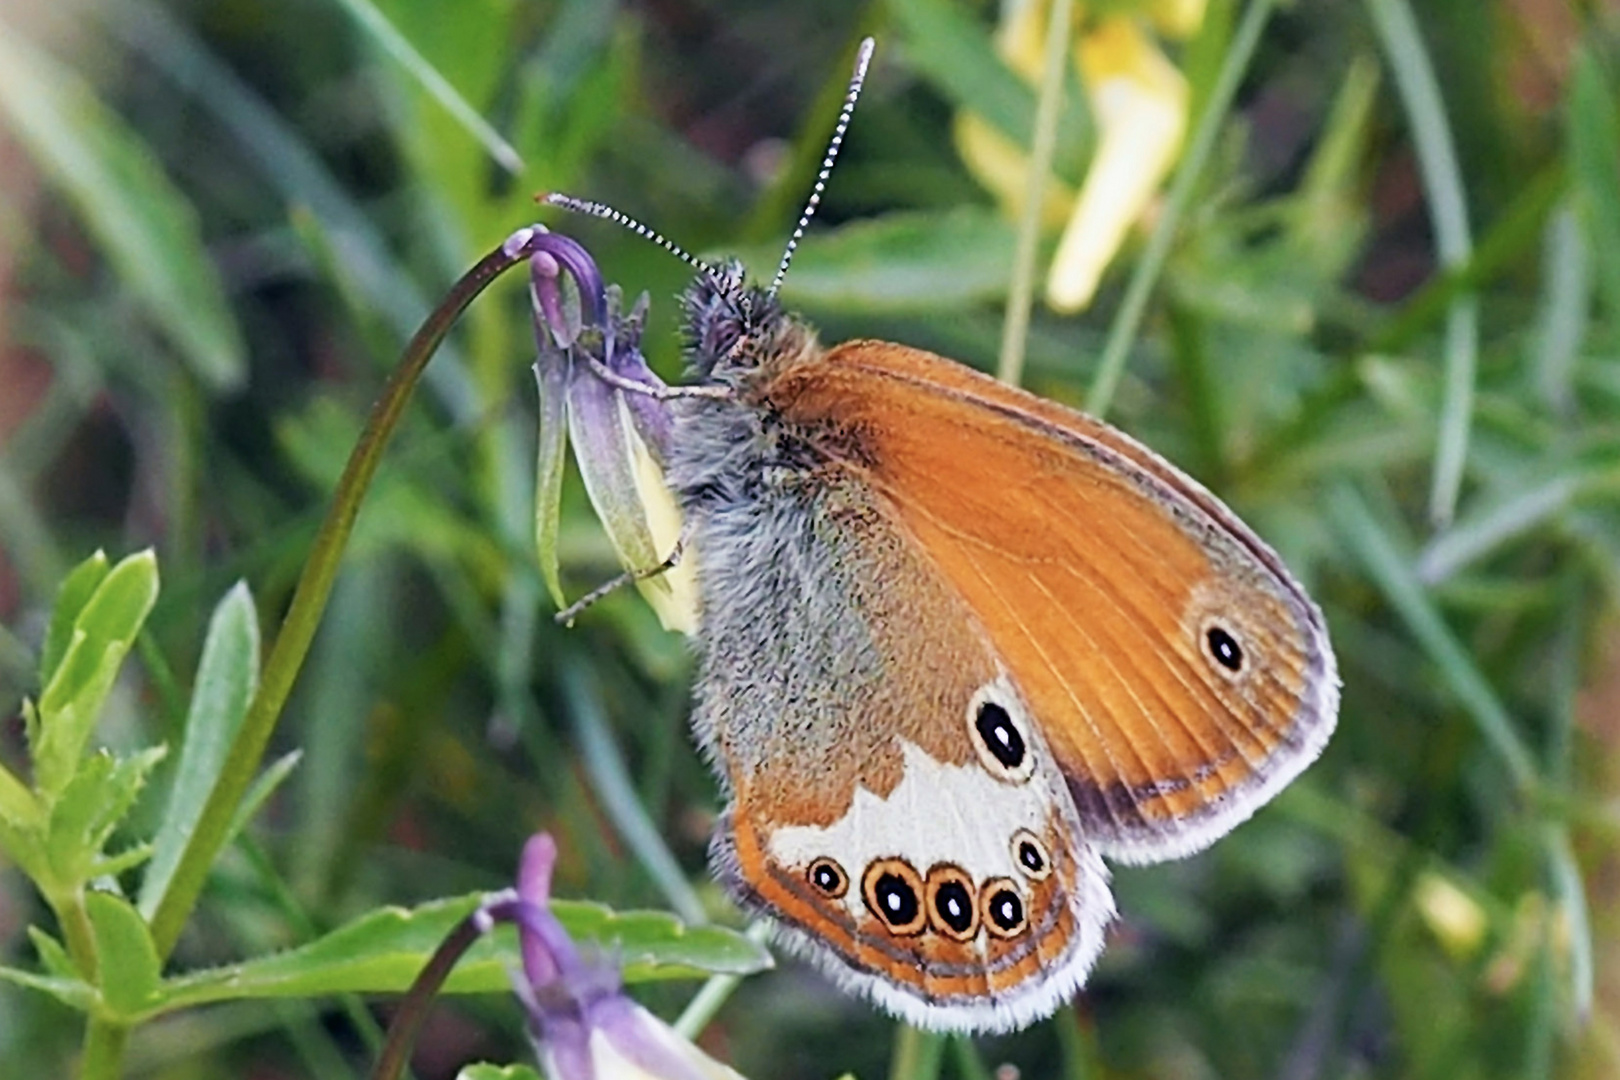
(1179, 674)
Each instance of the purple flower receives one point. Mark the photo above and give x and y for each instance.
(596, 387)
(584, 1027)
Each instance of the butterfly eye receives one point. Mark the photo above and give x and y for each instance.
(1004, 913)
(999, 736)
(1031, 856)
(952, 907)
(893, 892)
(1224, 648)
(828, 877)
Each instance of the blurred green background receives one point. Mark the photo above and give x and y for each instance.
(222, 219)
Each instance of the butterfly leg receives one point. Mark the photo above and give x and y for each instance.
(567, 616)
(660, 393)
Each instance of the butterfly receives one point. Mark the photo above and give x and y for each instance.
(957, 645)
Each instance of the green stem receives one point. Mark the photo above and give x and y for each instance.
(918, 1054)
(1021, 295)
(103, 1051)
(75, 922)
(308, 603)
(1122, 334)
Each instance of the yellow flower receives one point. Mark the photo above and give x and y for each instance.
(1139, 102)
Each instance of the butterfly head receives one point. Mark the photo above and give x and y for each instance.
(735, 330)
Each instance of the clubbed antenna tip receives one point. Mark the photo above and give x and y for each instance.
(863, 60)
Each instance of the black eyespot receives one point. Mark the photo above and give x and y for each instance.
(829, 877)
(1003, 909)
(952, 907)
(1224, 648)
(893, 892)
(1000, 736)
(1031, 855)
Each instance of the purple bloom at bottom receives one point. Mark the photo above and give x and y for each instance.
(584, 1026)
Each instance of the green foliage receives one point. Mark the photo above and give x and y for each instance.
(1378, 315)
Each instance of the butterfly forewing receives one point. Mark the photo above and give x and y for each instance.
(1178, 673)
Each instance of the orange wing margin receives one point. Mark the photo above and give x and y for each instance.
(1100, 575)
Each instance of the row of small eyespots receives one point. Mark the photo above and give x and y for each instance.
(947, 899)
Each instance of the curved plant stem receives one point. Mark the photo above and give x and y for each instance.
(1122, 334)
(1015, 328)
(308, 603)
(413, 1008)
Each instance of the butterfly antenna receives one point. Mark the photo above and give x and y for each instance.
(619, 217)
(863, 58)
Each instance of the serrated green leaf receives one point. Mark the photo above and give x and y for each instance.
(383, 952)
(52, 956)
(901, 262)
(73, 817)
(126, 957)
(75, 591)
(146, 226)
(227, 676)
(90, 808)
(101, 637)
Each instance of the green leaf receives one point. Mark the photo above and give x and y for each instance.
(91, 806)
(1594, 139)
(74, 593)
(227, 676)
(102, 635)
(147, 227)
(126, 957)
(18, 808)
(71, 991)
(263, 787)
(901, 262)
(486, 1071)
(384, 950)
(52, 956)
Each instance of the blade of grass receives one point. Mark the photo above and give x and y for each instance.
(1569, 890)
(1015, 328)
(299, 175)
(1419, 90)
(1594, 143)
(1566, 302)
(148, 229)
(394, 44)
(1392, 572)
(1128, 320)
(610, 779)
